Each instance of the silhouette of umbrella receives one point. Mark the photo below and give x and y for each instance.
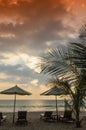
(16, 91)
(54, 91)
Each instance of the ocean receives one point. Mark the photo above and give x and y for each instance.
(31, 105)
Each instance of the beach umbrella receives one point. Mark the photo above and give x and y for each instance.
(15, 91)
(54, 91)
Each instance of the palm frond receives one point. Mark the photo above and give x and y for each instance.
(77, 54)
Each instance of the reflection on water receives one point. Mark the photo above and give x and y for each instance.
(31, 105)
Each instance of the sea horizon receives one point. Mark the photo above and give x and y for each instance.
(30, 105)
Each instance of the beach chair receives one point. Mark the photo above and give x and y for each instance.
(2, 117)
(67, 117)
(22, 118)
(47, 116)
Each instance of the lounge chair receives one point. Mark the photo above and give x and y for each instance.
(47, 116)
(67, 117)
(2, 117)
(22, 118)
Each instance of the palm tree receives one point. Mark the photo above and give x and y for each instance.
(77, 54)
(68, 68)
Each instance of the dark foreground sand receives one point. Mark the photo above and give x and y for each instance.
(35, 123)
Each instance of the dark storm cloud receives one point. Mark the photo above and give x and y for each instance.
(32, 24)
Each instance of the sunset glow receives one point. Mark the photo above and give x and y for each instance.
(27, 29)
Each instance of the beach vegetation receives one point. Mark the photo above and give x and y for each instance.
(67, 68)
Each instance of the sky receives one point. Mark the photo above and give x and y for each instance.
(28, 28)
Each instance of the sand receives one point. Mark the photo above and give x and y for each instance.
(35, 123)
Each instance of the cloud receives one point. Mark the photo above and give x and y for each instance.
(30, 24)
(28, 28)
(20, 74)
(34, 82)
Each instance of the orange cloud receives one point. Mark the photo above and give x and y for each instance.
(34, 23)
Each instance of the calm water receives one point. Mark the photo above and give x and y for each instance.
(31, 105)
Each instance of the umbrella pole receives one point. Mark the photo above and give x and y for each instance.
(56, 107)
(14, 109)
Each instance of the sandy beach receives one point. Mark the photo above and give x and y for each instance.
(35, 123)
